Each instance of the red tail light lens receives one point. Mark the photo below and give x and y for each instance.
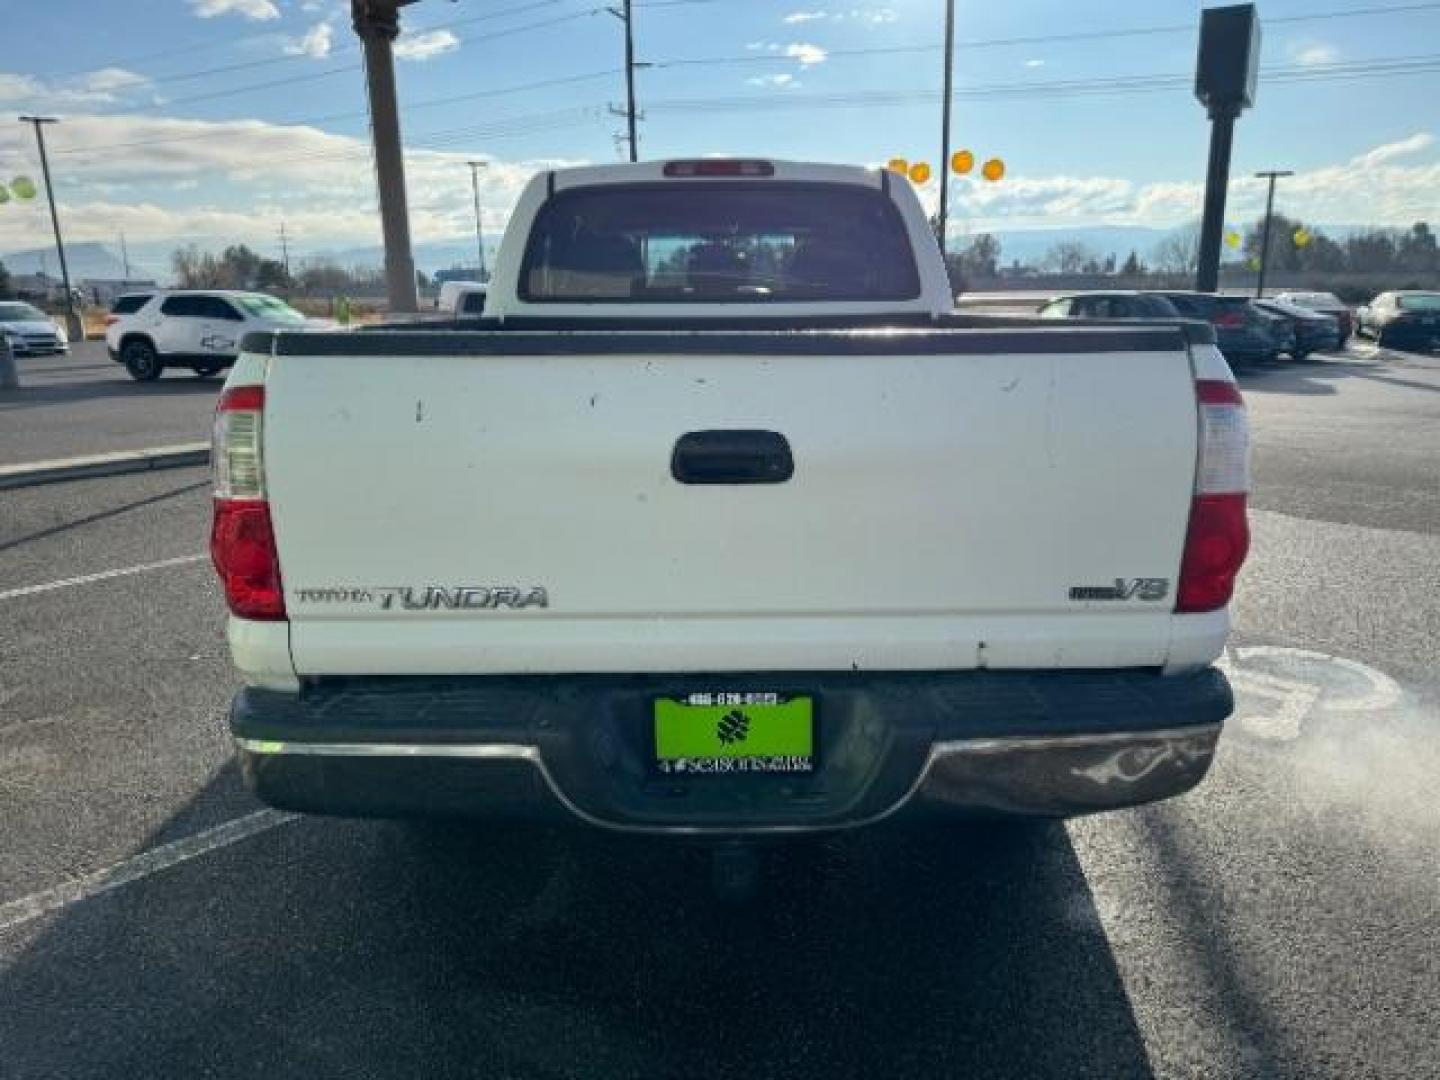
(242, 546)
(111, 320)
(1215, 549)
(1230, 319)
(1218, 538)
(242, 537)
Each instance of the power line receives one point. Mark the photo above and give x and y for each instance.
(1040, 39)
(424, 103)
(173, 103)
(209, 44)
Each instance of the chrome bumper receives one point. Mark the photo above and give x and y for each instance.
(1014, 776)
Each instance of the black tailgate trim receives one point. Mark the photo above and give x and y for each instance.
(881, 342)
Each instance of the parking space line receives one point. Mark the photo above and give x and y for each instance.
(140, 866)
(103, 575)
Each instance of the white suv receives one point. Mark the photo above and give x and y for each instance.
(196, 329)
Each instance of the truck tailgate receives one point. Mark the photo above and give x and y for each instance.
(950, 491)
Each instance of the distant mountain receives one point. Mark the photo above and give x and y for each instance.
(85, 260)
(429, 256)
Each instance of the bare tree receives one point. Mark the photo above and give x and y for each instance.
(1179, 253)
(1071, 257)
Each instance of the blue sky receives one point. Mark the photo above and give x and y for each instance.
(214, 120)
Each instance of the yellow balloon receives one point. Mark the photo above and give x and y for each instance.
(23, 187)
(898, 164)
(1232, 239)
(919, 172)
(1302, 237)
(962, 161)
(993, 169)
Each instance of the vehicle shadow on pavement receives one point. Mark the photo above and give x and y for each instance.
(1310, 376)
(100, 515)
(331, 948)
(66, 393)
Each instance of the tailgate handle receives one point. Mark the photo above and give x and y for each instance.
(732, 457)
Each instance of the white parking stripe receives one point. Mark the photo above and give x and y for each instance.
(140, 866)
(103, 575)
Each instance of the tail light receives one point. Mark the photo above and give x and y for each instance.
(1218, 538)
(111, 320)
(242, 538)
(1231, 319)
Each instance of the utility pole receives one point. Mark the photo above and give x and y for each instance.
(125, 256)
(945, 122)
(1272, 176)
(73, 326)
(284, 250)
(625, 15)
(377, 22)
(475, 167)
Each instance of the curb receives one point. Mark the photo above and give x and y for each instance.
(32, 473)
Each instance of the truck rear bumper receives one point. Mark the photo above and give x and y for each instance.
(911, 745)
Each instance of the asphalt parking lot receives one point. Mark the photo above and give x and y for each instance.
(1282, 920)
(84, 403)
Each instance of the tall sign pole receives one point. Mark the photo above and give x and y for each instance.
(1272, 176)
(945, 122)
(73, 326)
(1225, 76)
(378, 24)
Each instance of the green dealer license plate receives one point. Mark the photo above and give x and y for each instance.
(728, 733)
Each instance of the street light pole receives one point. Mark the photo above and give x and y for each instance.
(73, 327)
(475, 167)
(945, 122)
(1272, 176)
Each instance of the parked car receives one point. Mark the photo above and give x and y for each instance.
(1244, 334)
(196, 329)
(467, 302)
(1109, 305)
(1280, 328)
(1313, 331)
(703, 575)
(30, 331)
(451, 299)
(1402, 319)
(1327, 304)
(126, 304)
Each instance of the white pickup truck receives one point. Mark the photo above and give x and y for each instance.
(723, 522)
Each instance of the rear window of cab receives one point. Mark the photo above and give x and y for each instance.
(708, 242)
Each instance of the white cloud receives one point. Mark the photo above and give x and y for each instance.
(101, 87)
(785, 80)
(425, 46)
(803, 17)
(1421, 140)
(808, 55)
(1034, 63)
(223, 182)
(1373, 188)
(108, 80)
(1311, 53)
(315, 43)
(259, 10)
